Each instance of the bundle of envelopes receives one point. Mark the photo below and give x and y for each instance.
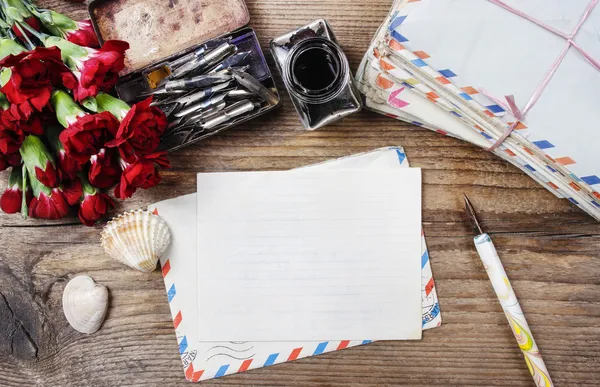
(269, 267)
(519, 78)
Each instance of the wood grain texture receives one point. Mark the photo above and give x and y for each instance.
(550, 249)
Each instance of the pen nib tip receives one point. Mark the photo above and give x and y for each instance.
(471, 215)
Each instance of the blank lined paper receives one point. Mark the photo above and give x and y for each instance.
(309, 255)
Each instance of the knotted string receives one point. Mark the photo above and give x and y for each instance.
(511, 106)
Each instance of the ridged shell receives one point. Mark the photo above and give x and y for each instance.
(136, 238)
(85, 304)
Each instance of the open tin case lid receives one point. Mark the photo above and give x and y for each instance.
(159, 29)
(165, 32)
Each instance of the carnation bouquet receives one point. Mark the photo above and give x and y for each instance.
(66, 141)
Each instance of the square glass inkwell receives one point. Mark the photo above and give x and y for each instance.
(317, 75)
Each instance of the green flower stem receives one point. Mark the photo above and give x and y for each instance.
(24, 208)
(108, 103)
(19, 26)
(4, 26)
(43, 15)
(66, 109)
(40, 35)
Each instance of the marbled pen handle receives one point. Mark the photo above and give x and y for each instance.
(512, 310)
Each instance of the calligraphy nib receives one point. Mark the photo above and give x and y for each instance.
(472, 217)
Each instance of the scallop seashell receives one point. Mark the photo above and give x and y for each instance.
(85, 304)
(136, 238)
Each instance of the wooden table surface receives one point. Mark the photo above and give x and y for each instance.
(550, 249)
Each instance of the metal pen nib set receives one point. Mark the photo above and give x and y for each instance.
(207, 79)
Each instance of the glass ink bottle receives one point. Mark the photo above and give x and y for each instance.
(317, 75)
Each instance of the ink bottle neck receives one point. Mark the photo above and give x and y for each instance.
(316, 70)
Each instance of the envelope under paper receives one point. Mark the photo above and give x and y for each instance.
(203, 360)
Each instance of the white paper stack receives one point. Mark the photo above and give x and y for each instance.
(449, 65)
(224, 271)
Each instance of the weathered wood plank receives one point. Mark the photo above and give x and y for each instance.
(550, 249)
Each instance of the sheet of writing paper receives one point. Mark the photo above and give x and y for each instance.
(309, 255)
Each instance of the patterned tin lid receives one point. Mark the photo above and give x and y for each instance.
(157, 29)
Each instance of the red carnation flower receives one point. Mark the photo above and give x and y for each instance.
(93, 207)
(96, 69)
(11, 139)
(52, 205)
(80, 33)
(11, 199)
(100, 71)
(48, 175)
(94, 204)
(8, 160)
(13, 128)
(88, 134)
(140, 130)
(39, 161)
(140, 174)
(33, 74)
(104, 170)
(13, 117)
(84, 35)
(72, 191)
(67, 165)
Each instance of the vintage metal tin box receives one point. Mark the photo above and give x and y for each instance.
(202, 64)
